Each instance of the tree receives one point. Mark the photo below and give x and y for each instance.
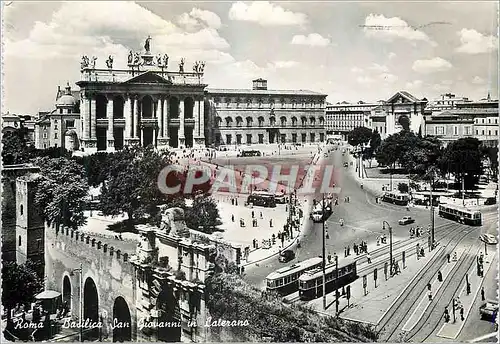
(359, 136)
(463, 159)
(491, 153)
(131, 183)
(203, 215)
(20, 284)
(62, 192)
(403, 188)
(15, 147)
(369, 152)
(95, 166)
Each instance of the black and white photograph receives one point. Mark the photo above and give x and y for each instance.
(249, 171)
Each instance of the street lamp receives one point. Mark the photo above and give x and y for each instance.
(80, 271)
(390, 243)
(324, 253)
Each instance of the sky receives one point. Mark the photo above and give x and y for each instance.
(350, 51)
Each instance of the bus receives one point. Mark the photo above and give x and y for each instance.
(332, 139)
(311, 282)
(460, 214)
(319, 213)
(285, 280)
(396, 198)
(262, 199)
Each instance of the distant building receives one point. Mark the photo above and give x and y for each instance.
(387, 117)
(59, 127)
(260, 115)
(343, 117)
(447, 101)
(477, 119)
(12, 122)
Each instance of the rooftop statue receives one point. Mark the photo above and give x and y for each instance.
(109, 62)
(181, 65)
(165, 61)
(130, 57)
(94, 59)
(173, 222)
(85, 62)
(147, 45)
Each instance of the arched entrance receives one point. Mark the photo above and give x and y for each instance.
(90, 308)
(122, 321)
(168, 307)
(147, 107)
(67, 291)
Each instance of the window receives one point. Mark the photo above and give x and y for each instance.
(70, 123)
(228, 139)
(261, 138)
(19, 241)
(489, 120)
(439, 130)
(489, 132)
(482, 132)
(496, 132)
(55, 135)
(455, 130)
(22, 210)
(44, 135)
(249, 138)
(466, 130)
(60, 110)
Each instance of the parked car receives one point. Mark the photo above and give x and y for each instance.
(286, 256)
(406, 220)
(489, 309)
(489, 239)
(490, 201)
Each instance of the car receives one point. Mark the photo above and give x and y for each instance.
(489, 239)
(489, 309)
(346, 164)
(490, 201)
(286, 256)
(406, 220)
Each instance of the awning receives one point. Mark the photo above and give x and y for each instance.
(48, 295)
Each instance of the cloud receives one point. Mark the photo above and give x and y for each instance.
(378, 68)
(392, 55)
(266, 14)
(313, 40)
(437, 64)
(441, 87)
(473, 42)
(478, 80)
(414, 85)
(388, 77)
(284, 64)
(198, 18)
(379, 27)
(365, 80)
(356, 70)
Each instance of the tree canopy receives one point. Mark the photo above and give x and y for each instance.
(15, 147)
(61, 192)
(20, 284)
(359, 136)
(203, 215)
(462, 157)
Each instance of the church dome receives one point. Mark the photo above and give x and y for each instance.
(67, 98)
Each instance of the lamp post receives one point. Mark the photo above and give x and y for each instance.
(324, 258)
(80, 271)
(390, 243)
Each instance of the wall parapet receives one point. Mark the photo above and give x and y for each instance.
(90, 241)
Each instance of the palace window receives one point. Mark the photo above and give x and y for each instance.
(22, 209)
(70, 123)
(466, 130)
(44, 135)
(455, 130)
(55, 135)
(439, 130)
(19, 241)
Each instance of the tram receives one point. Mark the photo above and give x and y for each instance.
(285, 280)
(262, 199)
(311, 282)
(321, 213)
(460, 214)
(396, 198)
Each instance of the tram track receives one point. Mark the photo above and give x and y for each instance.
(401, 308)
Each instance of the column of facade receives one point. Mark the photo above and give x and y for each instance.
(127, 114)
(166, 115)
(86, 118)
(182, 139)
(110, 132)
(158, 128)
(199, 126)
(136, 127)
(93, 125)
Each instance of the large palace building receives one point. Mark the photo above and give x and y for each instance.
(259, 115)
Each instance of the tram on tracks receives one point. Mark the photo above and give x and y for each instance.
(285, 280)
(396, 198)
(460, 214)
(311, 282)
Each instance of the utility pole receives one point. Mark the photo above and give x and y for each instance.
(390, 244)
(336, 288)
(80, 270)
(324, 256)
(432, 214)
(463, 189)
(290, 215)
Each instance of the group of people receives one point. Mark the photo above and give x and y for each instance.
(382, 239)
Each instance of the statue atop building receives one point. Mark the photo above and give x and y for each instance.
(181, 65)
(130, 57)
(173, 222)
(94, 59)
(85, 62)
(165, 61)
(147, 45)
(109, 62)
(199, 67)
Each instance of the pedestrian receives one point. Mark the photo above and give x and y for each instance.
(429, 286)
(270, 222)
(378, 241)
(348, 250)
(482, 293)
(440, 276)
(253, 214)
(446, 314)
(430, 295)
(422, 252)
(345, 251)
(449, 257)
(355, 248)
(462, 313)
(232, 201)
(261, 216)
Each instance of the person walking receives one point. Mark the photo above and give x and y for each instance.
(462, 313)
(369, 258)
(482, 294)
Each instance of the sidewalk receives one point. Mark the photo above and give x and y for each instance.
(373, 306)
(452, 329)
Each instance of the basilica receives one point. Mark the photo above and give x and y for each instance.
(152, 103)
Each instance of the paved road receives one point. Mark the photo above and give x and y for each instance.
(362, 221)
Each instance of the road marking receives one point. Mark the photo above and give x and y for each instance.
(486, 336)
